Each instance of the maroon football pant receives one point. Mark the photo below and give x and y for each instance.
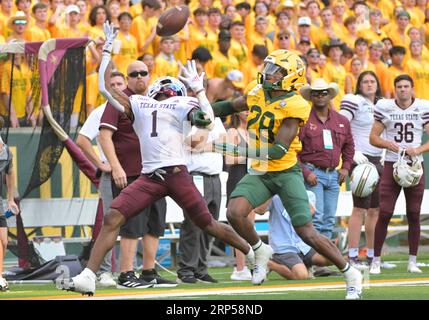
(389, 192)
(177, 184)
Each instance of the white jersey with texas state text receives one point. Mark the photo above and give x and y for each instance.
(360, 112)
(403, 126)
(160, 127)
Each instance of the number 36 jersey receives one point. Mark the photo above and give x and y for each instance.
(161, 127)
(265, 117)
(403, 126)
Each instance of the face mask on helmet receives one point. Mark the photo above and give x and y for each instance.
(272, 76)
(168, 86)
(407, 175)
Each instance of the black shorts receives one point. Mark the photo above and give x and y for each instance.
(373, 200)
(3, 222)
(150, 221)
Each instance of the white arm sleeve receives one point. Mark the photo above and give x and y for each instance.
(101, 85)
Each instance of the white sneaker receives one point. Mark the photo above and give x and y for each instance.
(375, 267)
(241, 275)
(412, 267)
(4, 286)
(353, 284)
(387, 265)
(262, 256)
(106, 280)
(83, 283)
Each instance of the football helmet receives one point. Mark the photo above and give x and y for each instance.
(169, 86)
(364, 179)
(286, 64)
(405, 174)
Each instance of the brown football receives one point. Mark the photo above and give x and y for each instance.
(172, 21)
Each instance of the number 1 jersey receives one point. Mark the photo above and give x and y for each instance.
(161, 127)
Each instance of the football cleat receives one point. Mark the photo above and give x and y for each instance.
(412, 267)
(262, 256)
(106, 280)
(353, 284)
(375, 267)
(82, 283)
(241, 275)
(4, 286)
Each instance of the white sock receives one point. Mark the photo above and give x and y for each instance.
(370, 253)
(346, 268)
(88, 272)
(376, 259)
(353, 252)
(412, 259)
(257, 245)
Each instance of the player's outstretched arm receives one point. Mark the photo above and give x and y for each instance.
(225, 108)
(190, 76)
(117, 99)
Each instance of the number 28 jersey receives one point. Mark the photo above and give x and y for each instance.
(264, 120)
(403, 126)
(161, 127)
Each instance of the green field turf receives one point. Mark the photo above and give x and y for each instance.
(390, 285)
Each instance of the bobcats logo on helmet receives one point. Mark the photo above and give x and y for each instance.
(285, 66)
(363, 180)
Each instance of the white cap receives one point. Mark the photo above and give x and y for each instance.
(304, 21)
(236, 77)
(72, 8)
(288, 4)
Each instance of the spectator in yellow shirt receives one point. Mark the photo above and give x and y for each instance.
(214, 20)
(361, 51)
(328, 31)
(414, 34)
(352, 33)
(18, 24)
(303, 46)
(313, 11)
(84, 21)
(143, 29)
(283, 24)
(255, 64)
(56, 15)
(259, 36)
(375, 52)
(71, 29)
(114, 8)
(25, 6)
(334, 71)
(6, 12)
(223, 61)
(339, 10)
(353, 75)
(374, 32)
(387, 45)
(125, 49)
(97, 17)
(398, 34)
(165, 63)
(313, 68)
(238, 43)
(304, 28)
(38, 32)
(197, 30)
(418, 69)
(397, 54)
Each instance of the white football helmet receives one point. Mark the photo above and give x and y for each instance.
(407, 175)
(167, 85)
(364, 179)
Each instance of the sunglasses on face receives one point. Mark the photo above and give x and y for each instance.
(283, 37)
(318, 93)
(135, 74)
(313, 56)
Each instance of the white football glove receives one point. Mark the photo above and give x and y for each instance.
(189, 75)
(359, 158)
(110, 32)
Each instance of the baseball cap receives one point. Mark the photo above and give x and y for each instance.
(304, 21)
(236, 77)
(403, 13)
(72, 8)
(304, 40)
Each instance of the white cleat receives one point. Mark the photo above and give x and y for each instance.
(375, 267)
(106, 280)
(82, 283)
(262, 256)
(353, 284)
(412, 267)
(4, 286)
(241, 275)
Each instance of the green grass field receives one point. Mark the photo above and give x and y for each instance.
(393, 284)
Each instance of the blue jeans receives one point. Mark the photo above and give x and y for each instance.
(327, 191)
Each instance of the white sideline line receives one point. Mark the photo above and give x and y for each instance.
(234, 291)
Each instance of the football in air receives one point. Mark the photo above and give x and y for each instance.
(172, 21)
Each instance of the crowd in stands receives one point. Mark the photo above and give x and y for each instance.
(337, 39)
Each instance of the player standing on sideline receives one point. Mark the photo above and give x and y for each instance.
(359, 110)
(276, 114)
(403, 120)
(6, 169)
(159, 126)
